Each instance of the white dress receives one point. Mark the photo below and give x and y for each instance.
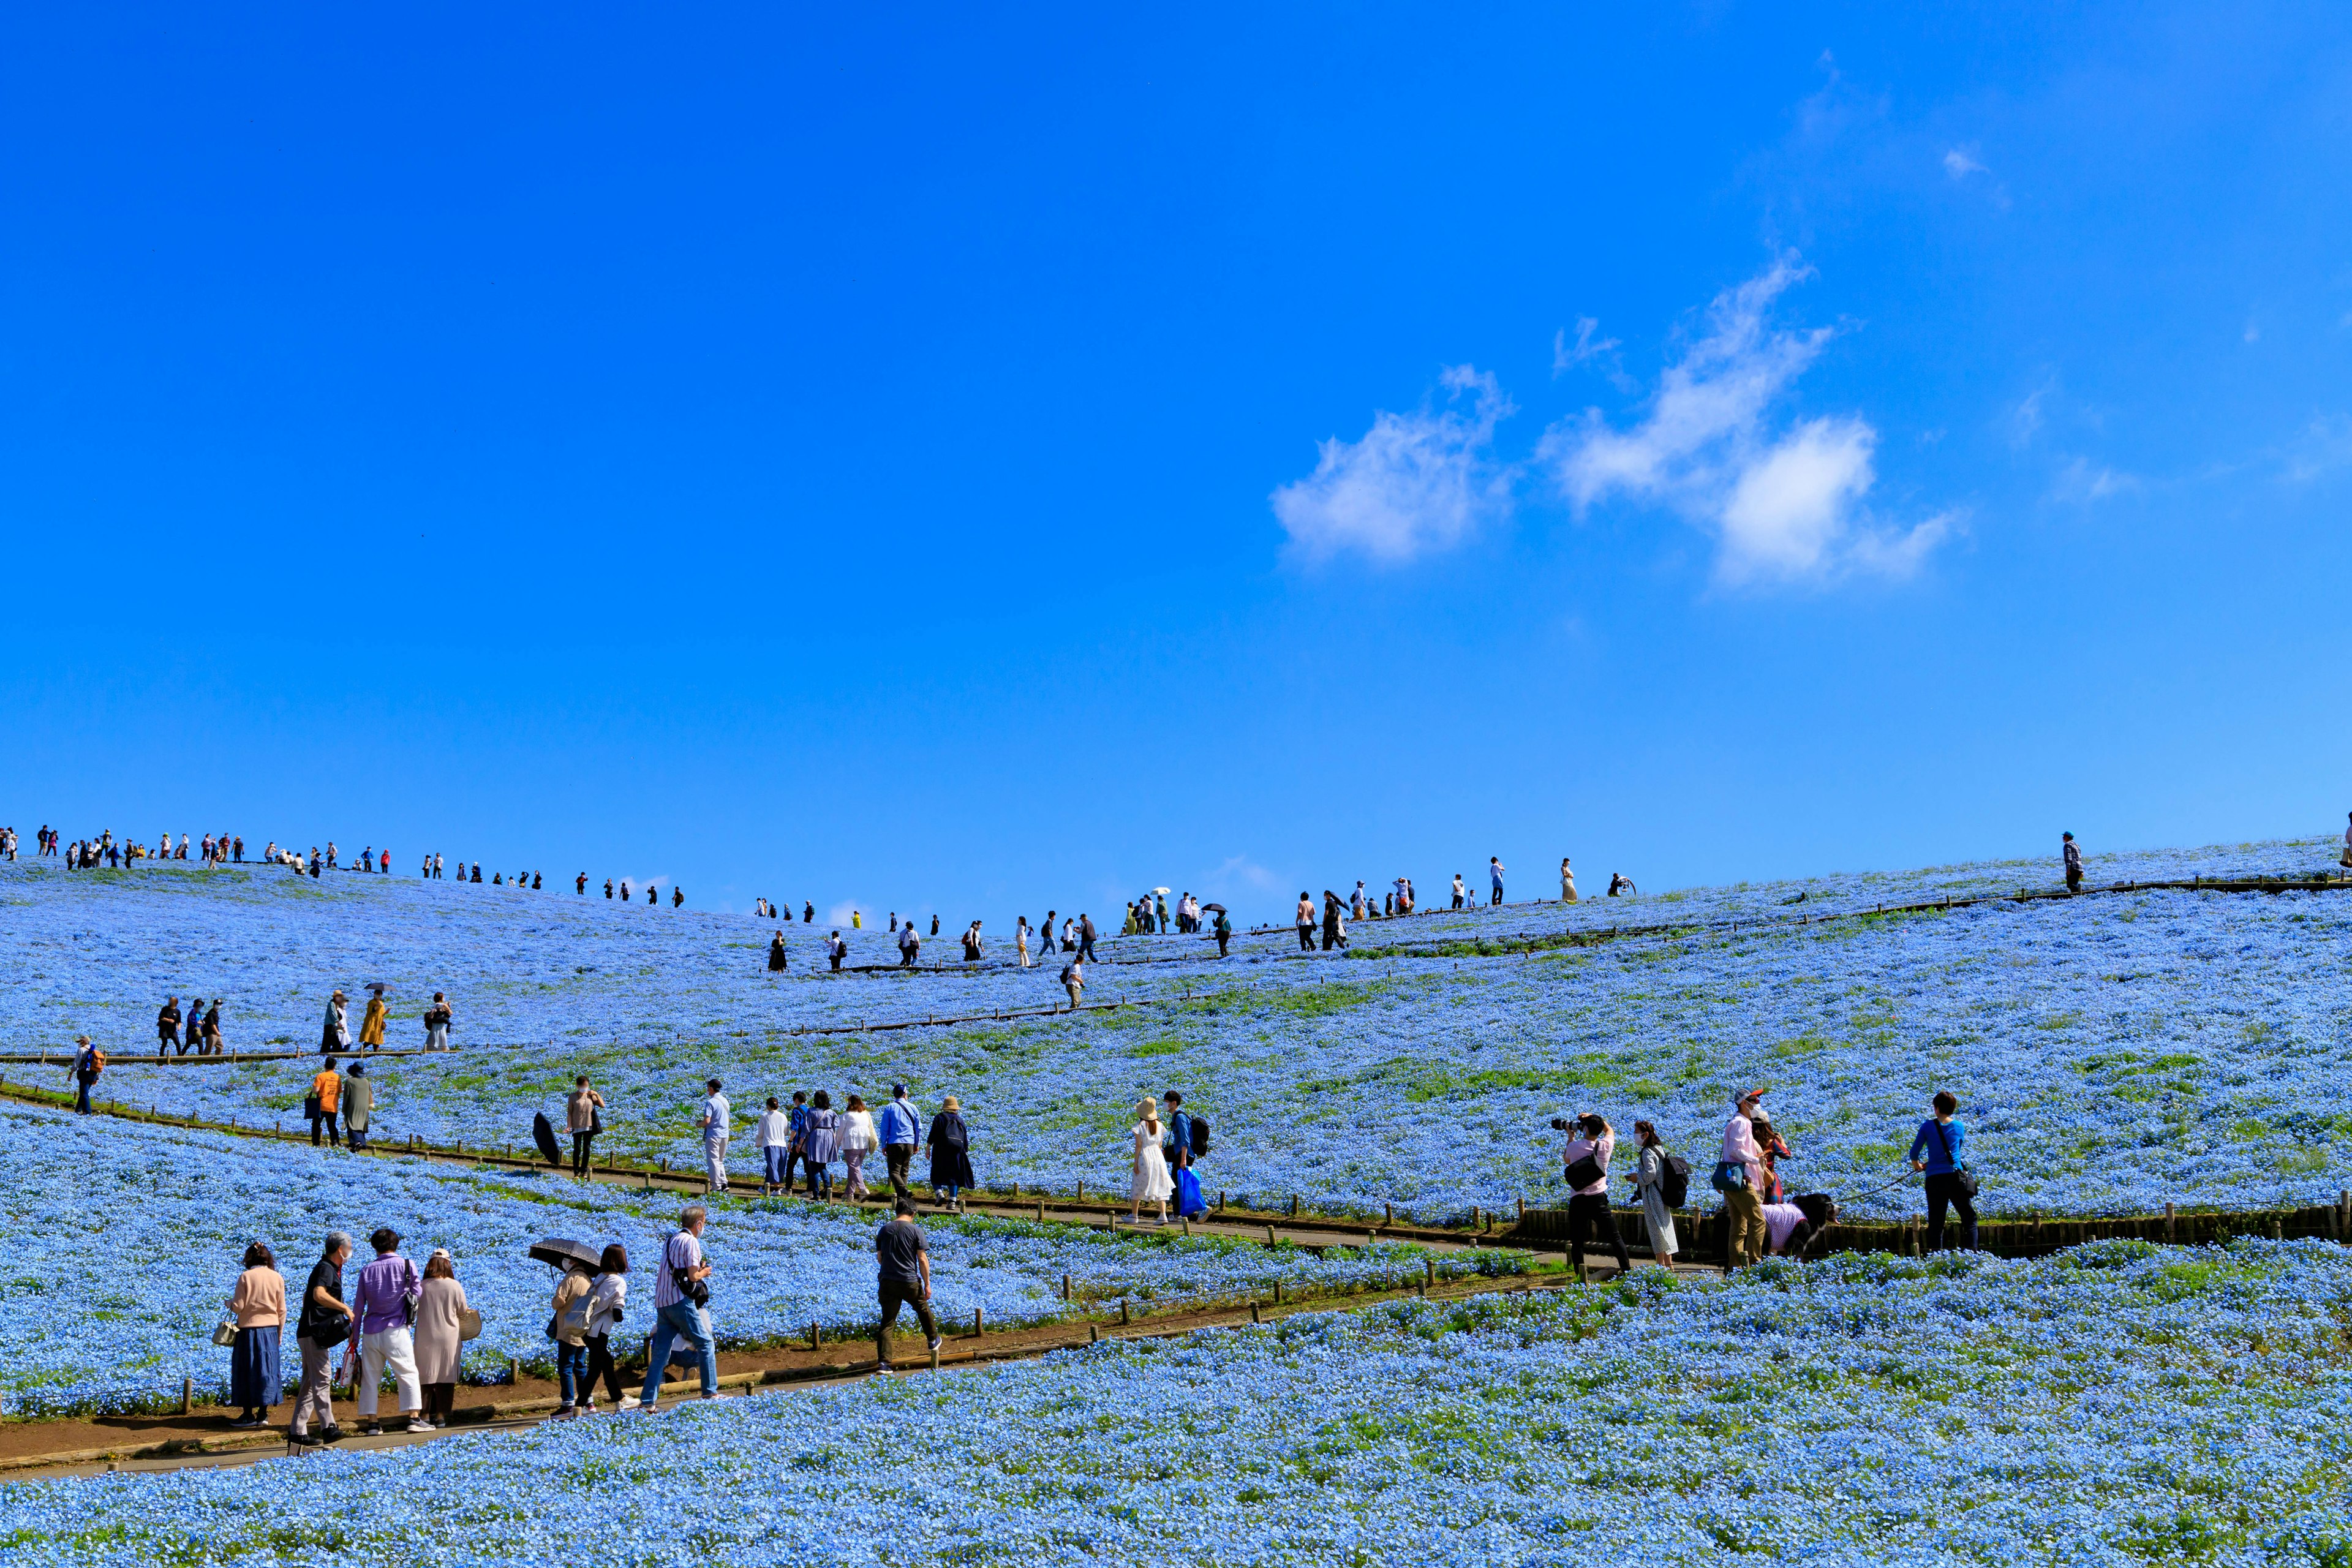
(1151, 1184)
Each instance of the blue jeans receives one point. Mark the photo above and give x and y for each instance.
(946, 1191)
(679, 1321)
(571, 1370)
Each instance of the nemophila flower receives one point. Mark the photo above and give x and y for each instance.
(119, 1243)
(2112, 1054)
(2115, 1404)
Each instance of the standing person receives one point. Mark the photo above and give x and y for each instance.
(1356, 901)
(1584, 1165)
(971, 943)
(950, 1146)
(820, 1138)
(1021, 940)
(903, 1274)
(440, 1337)
(901, 1130)
(580, 884)
(1304, 917)
(856, 1141)
(935, 923)
(774, 1136)
(359, 1104)
(167, 1027)
(808, 912)
(259, 1303)
(1045, 931)
(571, 1322)
(89, 1062)
(1567, 881)
(1461, 893)
(1148, 1180)
(326, 1101)
(910, 946)
(320, 1330)
(714, 1124)
(1335, 931)
(681, 1302)
(1739, 1173)
(1074, 979)
(385, 1306)
(372, 1021)
(835, 949)
(606, 1308)
(211, 1031)
(1160, 906)
(438, 1018)
(1950, 1183)
(796, 1123)
(776, 954)
(1494, 875)
(583, 1118)
(2346, 858)
(2072, 854)
(1224, 930)
(335, 1034)
(1650, 1185)
(1086, 937)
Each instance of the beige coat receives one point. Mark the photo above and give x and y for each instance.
(575, 1285)
(436, 1330)
(260, 1300)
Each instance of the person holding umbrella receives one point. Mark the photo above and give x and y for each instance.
(1222, 927)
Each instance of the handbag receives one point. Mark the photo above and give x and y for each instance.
(1730, 1177)
(310, 1108)
(469, 1324)
(224, 1332)
(1585, 1172)
(1962, 1177)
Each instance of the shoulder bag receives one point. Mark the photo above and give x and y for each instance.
(1586, 1171)
(469, 1324)
(1962, 1177)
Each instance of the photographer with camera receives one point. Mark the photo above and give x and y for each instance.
(1585, 1168)
(682, 1307)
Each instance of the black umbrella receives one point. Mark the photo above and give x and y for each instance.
(1219, 907)
(561, 1251)
(542, 1132)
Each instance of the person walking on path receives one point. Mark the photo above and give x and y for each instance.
(901, 1129)
(776, 954)
(583, 1118)
(774, 1139)
(1304, 918)
(1148, 1180)
(1073, 981)
(796, 1135)
(950, 1146)
(372, 1021)
(1179, 1132)
(211, 1044)
(910, 946)
(1495, 874)
(326, 1102)
(386, 1304)
(1020, 940)
(607, 1302)
(1584, 1165)
(820, 1139)
(2345, 859)
(835, 949)
(167, 1027)
(438, 1019)
(1650, 1185)
(1740, 1174)
(359, 1105)
(1567, 881)
(714, 1124)
(681, 1308)
(1224, 930)
(258, 1303)
(320, 1330)
(1939, 1149)
(570, 1320)
(1087, 938)
(335, 1035)
(2072, 854)
(1335, 925)
(971, 943)
(88, 1063)
(903, 1278)
(440, 1337)
(856, 1141)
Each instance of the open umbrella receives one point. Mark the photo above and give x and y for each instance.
(1219, 907)
(542, 1132)
(560, 1251)
(1161, 890)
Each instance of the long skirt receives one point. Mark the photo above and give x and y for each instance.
(253, 1369)
(1660, 1220)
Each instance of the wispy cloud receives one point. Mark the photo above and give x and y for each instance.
(2082, 481)
(1786, 503)
(1960, 163)
(1566, 356)
(2025, 421)
(2324, 446)
(1414, 483)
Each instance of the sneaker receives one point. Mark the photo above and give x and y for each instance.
(370, 1429)
(333, 1433)
(645, 1409)
(565, 1412)
(935, 1347)
(302, 1439)
(246, 1423)
(589, 1408)
(628, 1401)
(418, 1424)
(881, 1366)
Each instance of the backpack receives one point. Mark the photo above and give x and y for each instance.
(1200, 1136)
(1673, 1183)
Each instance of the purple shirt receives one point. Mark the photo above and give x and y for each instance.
(385, 1287)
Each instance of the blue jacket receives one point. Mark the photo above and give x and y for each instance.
(1932, 1139)
(899, 1124)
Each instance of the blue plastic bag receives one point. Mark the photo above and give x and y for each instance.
(1189, 1202)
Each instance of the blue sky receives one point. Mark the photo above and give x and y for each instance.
(944, 460)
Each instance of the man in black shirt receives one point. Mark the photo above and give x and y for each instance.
(905, 1270)
(167, 1026)
(324, 1327)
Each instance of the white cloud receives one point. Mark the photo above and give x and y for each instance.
(2083, 481)
(1960, 163)
(2025, 419)
(1414, 483)
(1566, 356)
(1786, 504)
(2324, 446)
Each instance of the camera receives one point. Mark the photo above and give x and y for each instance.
(1560, 1124)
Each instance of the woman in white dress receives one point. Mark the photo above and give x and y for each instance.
(1150, 1184)
(856, 1143)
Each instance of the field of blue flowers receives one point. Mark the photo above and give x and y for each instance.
(2113, 1405)
(2112, 1053)
(120, 1244)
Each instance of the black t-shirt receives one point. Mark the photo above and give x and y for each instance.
(899, 1244)
(324, 1276)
